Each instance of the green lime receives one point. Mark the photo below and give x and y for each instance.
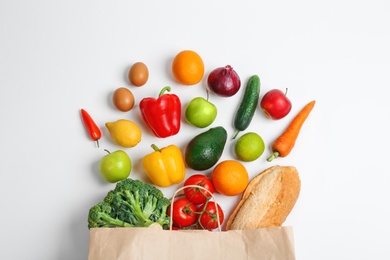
(249, 147)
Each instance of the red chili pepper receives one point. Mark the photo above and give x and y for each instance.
(91, 127)
(162, 115)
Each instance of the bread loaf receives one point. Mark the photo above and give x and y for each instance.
(267, 200)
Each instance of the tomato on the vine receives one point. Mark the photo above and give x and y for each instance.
(198, 195)
(208, 218)
(183, 213)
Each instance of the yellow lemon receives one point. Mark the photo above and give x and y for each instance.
(124, 132)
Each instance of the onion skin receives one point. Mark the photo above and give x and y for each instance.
(224, 81)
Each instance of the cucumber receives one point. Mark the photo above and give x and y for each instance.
(248, 105)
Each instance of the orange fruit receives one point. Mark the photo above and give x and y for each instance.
(188, 67)
(230, 177)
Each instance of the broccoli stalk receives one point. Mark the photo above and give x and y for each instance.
(132, 204)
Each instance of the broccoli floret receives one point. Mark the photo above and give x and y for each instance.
(160, 214)
(135, 203)
(100, 215)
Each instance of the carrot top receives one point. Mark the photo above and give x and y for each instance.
(283, 145)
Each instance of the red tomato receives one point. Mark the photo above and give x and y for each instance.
(198, 195)
(208, 219)
(183, 213)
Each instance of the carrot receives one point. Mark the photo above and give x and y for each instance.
(283, 145)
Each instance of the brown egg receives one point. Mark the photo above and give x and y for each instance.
(123, 99)
(138, 74)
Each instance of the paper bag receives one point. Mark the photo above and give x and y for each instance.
(149, 244)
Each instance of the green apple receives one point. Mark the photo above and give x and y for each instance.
(200, 112)
(115, 166)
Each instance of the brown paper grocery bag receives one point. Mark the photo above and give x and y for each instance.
(148, 243)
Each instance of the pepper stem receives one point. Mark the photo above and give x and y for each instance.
(155, 148)
(167, 88)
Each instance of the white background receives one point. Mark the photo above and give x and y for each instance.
(57, 57)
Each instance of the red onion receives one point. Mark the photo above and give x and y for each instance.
(224, 81)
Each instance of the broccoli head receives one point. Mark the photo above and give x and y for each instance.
(132, 203)
(101, 215)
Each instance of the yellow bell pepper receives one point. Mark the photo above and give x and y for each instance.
(165, 167)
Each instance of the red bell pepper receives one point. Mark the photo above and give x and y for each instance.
(162, 115)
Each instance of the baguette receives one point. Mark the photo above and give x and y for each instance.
(267, 200)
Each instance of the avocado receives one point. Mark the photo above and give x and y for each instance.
(205, 149)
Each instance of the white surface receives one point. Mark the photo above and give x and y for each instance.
(57, 57)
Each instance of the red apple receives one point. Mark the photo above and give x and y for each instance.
(275, 104)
